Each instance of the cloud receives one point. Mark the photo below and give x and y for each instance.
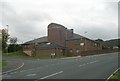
(29, 19)
(24, 26)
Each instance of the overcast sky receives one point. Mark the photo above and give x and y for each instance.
(28, 19)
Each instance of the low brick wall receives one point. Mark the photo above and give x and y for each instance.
(47, 52)
(85, 53)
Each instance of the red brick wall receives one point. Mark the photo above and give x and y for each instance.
(56, 35)
(74, 47)
(28, 49)
(47, 52)
(95, 52)
(59, 34)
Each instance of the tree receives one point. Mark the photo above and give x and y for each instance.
(5, 36)
(13, 46)
(99, 40)
(118, 46)
(13, 40)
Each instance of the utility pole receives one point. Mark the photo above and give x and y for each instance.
(85, 40)
(7, 28)
(65, 43)
(8, 34)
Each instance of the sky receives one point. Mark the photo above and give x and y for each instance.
(28, 19)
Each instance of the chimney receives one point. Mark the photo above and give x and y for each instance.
(72, 30)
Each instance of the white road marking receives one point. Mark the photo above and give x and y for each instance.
(11, 73)
(51, 75)
(46, 65)
(13, 69)
(7, 76)
(87, 63)
(31, 75)
(82, 65)
(31, 69)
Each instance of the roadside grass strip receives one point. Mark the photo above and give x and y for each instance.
(115, 76)
(3, 64)
(12, 69)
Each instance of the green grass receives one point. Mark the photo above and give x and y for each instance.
(116, 76)
(15, 54)
(23, 55)
(3, 64)
(48, 57)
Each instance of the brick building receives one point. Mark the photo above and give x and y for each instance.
(61, 41)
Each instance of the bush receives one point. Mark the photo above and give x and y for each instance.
(14, 48)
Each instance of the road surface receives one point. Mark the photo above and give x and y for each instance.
(89, 67)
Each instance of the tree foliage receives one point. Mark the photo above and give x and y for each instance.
(13, 40)
(99, 40)
(119, 46)
(5, 36)
(14, 47)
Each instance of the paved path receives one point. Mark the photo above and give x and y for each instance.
(11, 66)
(89, 67)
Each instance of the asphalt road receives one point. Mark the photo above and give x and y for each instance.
(89, 67)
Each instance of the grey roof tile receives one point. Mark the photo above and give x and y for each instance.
(38, 40)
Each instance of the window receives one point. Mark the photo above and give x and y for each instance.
(77, 51)
(81, 44)
(71, 50)
(48, 43)
(61, 50)
(95, 44)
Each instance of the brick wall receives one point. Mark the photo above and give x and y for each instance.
(75, 47)
(28, 49)
(95, 52)
(47, 52)
(58, 34)
(87, 45)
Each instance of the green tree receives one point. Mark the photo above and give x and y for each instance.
(119, 46)
(99, 40)
(5, 36)
(13, 46)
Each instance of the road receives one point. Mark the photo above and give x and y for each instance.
(88, 67)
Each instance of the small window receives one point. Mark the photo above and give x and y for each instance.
(71, 50)
(81, 44)
(95, 44)
(77, 51)
(61, 50)
(48, 43)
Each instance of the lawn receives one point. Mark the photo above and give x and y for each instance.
(15, 54)
(3, 64)
(23, 55)
(116, 76)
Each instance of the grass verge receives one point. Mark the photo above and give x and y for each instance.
(3, 64)
(23, 55)
(15, 54)
(115, 77)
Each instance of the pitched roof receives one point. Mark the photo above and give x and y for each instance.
(49, 45)
(112, 42)
(38, 40)
(76, 36)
